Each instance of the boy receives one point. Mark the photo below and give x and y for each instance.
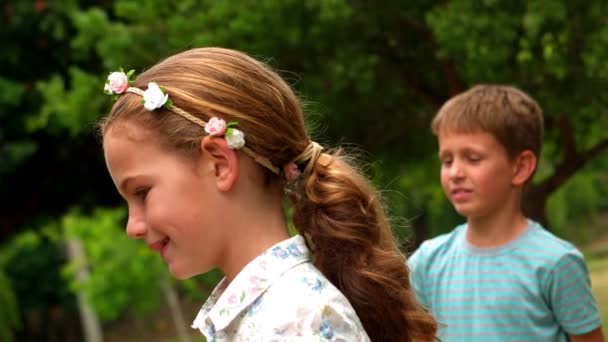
(500, 276)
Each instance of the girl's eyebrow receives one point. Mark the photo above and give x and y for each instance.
(125, 182)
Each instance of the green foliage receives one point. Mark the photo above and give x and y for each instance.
(75, 110)
(9, 311)
(31, 260)
(12, 153)
(10, 92)
(551, 49)
(477, 33)
(199, 287)
(423, 195)
(30, 283)
(123, 273)
(573, 207)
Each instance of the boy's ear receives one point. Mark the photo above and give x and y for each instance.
(523, 167)
(223, 160)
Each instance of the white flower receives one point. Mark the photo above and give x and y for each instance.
(234, 138)
(117, 83)
(154, 97)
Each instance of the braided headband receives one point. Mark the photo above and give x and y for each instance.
(155, 97)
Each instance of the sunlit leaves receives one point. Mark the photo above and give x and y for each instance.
(74, 108)
(124, 274)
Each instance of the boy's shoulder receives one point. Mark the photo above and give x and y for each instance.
(555, 248)
(441, 244)
(538, 244)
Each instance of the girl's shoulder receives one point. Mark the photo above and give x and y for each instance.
(310, 305)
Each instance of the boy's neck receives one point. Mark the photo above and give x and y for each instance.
(496, 230)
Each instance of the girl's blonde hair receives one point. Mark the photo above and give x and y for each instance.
(335, 208)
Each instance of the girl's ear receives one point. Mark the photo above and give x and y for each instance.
(523, 167)
(223, 160)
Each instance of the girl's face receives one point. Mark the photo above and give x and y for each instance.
(173, 202)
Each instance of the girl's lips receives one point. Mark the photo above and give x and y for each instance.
(163, 249)
(158, 245)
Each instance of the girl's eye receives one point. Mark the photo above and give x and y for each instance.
(142, 193)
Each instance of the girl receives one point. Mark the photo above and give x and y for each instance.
(202, 147)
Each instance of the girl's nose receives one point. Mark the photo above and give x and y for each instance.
(136, 228)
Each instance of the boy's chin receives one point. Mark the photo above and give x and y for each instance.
(464, 211)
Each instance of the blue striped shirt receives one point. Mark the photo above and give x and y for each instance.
(535, 288)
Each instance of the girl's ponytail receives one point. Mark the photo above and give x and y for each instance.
(344, 221)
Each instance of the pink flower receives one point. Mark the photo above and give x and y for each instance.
(232, 299)
(291, 171)
(215, 127)
(117, 83)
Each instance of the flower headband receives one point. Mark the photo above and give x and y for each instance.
(155, 97)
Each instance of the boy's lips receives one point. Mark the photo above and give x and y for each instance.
(460, 194)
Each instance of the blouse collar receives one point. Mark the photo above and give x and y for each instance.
(228, 300)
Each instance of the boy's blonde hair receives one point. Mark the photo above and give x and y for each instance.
(513, 117)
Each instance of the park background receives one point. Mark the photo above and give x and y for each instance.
(371, 74)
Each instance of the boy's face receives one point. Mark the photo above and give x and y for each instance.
(476, 173)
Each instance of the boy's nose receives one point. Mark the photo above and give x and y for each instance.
(456, 171)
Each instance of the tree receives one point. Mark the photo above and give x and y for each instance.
(370, 74)
(9, 314)
(364, 67)
(553, 50)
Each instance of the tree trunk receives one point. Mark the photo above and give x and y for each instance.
(536, 196)
(535, 204)
(176, 310)
(90, 322)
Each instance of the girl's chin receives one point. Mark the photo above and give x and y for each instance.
(179, 274)
(182, 274)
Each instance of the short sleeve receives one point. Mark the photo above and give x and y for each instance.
(571, 299)
(416, 264)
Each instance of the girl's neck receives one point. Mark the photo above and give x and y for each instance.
(256, 229)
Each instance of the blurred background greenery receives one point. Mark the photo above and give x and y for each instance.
(371, 74)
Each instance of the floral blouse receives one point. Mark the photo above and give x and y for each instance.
(279, 296)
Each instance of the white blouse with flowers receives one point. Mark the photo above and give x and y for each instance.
(279, 296)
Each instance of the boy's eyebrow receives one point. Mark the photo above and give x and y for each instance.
(465, 150)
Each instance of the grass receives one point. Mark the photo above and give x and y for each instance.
(598, 268)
